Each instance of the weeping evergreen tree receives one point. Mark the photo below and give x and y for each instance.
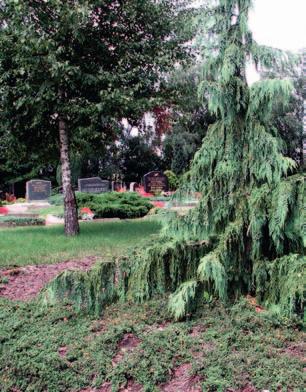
(244, 236)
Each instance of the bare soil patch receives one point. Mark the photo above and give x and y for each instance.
(127, 344)
(297, 350)
(24, 283)
(182, 381)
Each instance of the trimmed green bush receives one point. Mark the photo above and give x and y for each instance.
(125, 205)
(21, 221)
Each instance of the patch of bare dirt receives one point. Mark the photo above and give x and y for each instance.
(297, 350)
(156, 327)
(197, 330)
(63, 351)
(128, 343)
(246, 388)
(253, 302)
(24, 283)
(182, 381)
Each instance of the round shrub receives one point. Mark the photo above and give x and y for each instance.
(126, 205)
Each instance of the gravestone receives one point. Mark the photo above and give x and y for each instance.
(133, 186)
(156, 182)
(38, 190)
(93, 185)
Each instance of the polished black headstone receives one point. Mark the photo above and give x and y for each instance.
(156, 182)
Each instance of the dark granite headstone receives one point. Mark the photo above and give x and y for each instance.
(38, 190)
(93, 185)
(155, 182)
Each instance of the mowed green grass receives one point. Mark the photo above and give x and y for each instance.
(41, 245)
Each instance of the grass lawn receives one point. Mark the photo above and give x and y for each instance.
(38, 245)
(53, 210)
(223, 349)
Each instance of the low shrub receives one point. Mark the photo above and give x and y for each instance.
(173, 180)
(125, 205)
(21, 221)
(56, 200)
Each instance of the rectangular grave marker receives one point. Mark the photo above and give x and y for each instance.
(156, 182)
(93, 185)
(38, 190)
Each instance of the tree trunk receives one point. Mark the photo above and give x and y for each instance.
(70, 208)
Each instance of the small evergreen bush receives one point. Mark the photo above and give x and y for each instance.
(125, 205)
(172, 179)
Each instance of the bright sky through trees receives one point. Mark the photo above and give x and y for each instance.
(279, 23)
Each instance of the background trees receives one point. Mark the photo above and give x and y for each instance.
(190, 119)
(73, 68)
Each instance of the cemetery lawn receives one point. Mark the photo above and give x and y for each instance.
(47, 245)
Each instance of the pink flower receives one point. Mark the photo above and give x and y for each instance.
(158, 204)
(3, 211)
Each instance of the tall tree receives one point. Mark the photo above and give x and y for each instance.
(245, 234)
(68, 68)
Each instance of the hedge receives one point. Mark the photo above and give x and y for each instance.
(20, 221)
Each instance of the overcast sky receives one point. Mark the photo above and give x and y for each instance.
(279, 23)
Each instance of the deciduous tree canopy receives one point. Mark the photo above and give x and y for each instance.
(75, 67)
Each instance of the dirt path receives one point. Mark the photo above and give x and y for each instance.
(24, 283)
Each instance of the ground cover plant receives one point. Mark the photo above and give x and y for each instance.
(37, 245)
(219, 349)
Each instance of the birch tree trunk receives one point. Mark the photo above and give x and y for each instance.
(70, 208)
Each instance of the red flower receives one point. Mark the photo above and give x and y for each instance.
(140, 190)
(3, 211)
(86, 210)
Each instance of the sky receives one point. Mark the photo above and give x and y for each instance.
(279, 23)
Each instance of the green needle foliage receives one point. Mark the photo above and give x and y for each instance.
(251, 200)
(244, 236)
